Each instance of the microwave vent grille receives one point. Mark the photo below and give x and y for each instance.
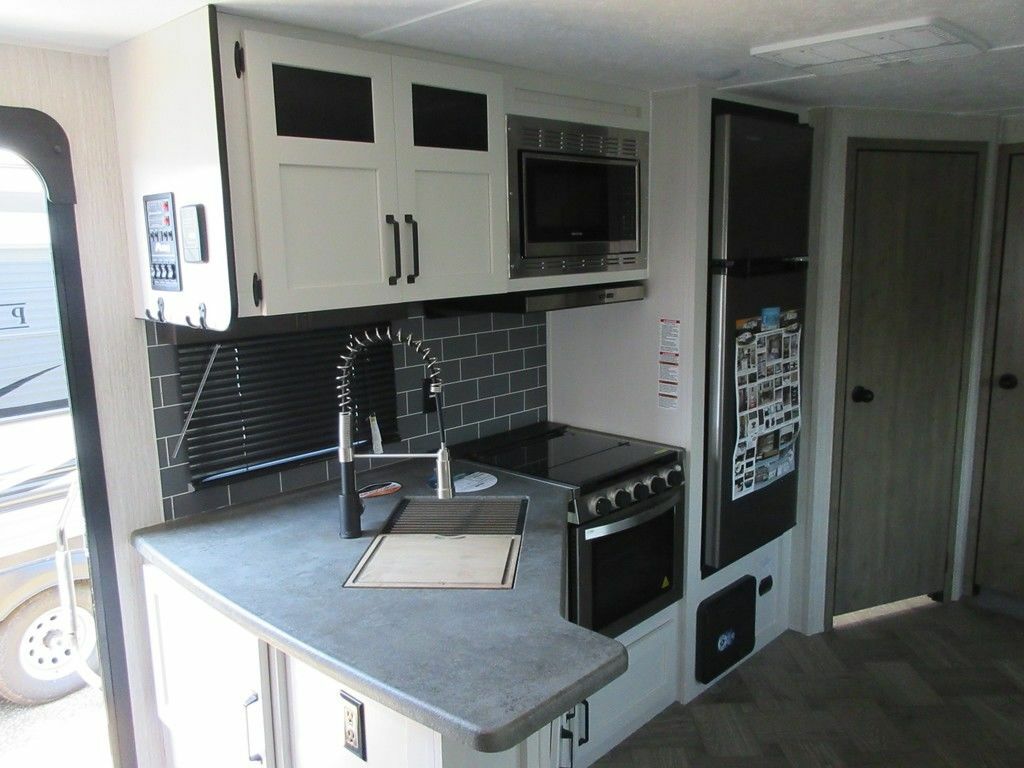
(579, 143)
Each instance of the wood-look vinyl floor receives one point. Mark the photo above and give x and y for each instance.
(933, 686)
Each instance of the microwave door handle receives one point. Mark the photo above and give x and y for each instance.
(610, 529)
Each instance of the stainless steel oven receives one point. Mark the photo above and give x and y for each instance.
(627, 565)
(577, 197)
(624, 545)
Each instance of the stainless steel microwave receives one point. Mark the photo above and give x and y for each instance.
(577, 197)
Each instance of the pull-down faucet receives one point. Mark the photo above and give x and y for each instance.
(351, 506)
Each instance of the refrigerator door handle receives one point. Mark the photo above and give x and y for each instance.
(715, 450)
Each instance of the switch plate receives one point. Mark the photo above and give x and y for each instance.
(353, 725)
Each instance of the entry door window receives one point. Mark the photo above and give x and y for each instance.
(47, 715)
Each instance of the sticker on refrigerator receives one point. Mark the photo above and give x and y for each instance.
(767, 399)
(668, 363)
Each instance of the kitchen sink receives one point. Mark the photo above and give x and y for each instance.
(469, 542)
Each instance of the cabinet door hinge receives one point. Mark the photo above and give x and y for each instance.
(239, 59)
(257, 289)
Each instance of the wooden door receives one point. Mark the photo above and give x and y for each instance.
(910, 255)
(452, 170)
(321, 127)
(1000, 557)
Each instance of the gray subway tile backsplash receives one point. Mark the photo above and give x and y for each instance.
(495, 375)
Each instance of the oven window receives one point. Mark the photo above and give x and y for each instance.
(631, 568)
(579, 200)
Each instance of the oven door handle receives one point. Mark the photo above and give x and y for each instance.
(610, 529)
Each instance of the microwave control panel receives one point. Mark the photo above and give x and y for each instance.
(164, 267)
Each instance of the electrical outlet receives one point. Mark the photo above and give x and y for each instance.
(354, 725)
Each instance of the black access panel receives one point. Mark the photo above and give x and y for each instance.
(725, 628)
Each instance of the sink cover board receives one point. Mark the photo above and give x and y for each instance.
(461, 543)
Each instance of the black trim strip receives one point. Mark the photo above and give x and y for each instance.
(222, 143)
(40, 140)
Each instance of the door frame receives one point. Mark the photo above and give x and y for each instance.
(855, 145)
(42, 143)
(987, 373)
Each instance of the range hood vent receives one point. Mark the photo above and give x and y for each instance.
(539, 301)
(907, 42)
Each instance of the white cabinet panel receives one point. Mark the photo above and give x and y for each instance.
(316, 243)
(321, 200)
(629, 701)
(210, 694)
(454, 210)
(315, 718)
(457, 195)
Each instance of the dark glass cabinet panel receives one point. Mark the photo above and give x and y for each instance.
(449, 119)
(313, 104)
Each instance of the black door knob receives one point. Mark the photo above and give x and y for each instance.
(862, 395)
(1007, 381)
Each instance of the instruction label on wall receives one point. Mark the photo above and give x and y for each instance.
(668, 363)
(767, 399)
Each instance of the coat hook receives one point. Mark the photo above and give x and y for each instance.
(202, 318)
(160, 310)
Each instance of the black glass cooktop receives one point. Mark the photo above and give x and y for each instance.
(562, 453)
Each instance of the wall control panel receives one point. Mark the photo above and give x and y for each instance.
(164, 267)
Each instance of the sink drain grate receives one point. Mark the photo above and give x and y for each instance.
(466, 515)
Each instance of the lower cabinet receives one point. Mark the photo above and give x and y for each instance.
(226, 699)
(211, 687)
(600, 722)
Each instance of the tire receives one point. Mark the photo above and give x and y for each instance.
(35, 663)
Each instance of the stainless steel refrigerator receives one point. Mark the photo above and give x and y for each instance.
(754, 417)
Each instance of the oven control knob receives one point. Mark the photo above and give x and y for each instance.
(600, 505)
(623, 498)
(673, 476)
(640, 492)
(657, 483)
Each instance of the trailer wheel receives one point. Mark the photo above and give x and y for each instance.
(36, 663)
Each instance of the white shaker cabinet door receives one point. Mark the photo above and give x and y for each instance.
(452, 189)
(211, 694)
(321, 127)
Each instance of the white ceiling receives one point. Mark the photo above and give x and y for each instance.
(651, 44)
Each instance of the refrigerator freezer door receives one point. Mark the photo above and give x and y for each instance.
(750, 489)
(762, 188)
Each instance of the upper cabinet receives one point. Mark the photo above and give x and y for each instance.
(297, 176)
(376, 179)
(272, 170)
(322, 138)
(450, 147)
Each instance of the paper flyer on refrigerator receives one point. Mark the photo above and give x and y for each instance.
(767, 399)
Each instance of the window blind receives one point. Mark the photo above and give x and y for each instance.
(272, 400)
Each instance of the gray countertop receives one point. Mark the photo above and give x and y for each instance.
(484, 667)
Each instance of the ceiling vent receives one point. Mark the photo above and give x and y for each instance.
(906, 42)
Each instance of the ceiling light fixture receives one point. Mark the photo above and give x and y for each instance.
(914, 41)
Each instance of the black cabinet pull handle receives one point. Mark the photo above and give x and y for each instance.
(586, 724)
(415, 247)
(1007, 381)
(862, 395)
(393, 280)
